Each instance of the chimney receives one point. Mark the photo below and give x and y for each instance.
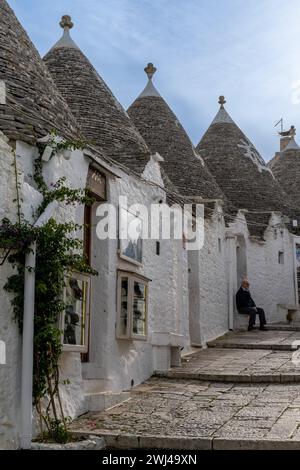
(286, 137)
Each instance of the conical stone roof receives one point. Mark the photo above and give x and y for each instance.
(164, 134)
(32, 107)
(103, 121)
(286, 169)
(241, 172)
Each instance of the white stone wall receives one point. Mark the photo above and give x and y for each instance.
(9, 331)
(208, 284)
(271, 283)
(10, 393)
(116, 364)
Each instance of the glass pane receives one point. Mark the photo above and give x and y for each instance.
(139, 317)
(124, 307)
(75, 313)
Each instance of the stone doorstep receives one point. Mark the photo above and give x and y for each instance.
(234, 378)
(125, 441)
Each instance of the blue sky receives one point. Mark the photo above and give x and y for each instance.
(247, 50)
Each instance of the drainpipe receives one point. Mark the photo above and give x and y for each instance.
(28, 323)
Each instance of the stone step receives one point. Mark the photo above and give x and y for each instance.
(99, 401)
(231, 377)
(275, 346)
(119, 441)
(88, 442)
(238, 366)
(284, 326)
(280, 340)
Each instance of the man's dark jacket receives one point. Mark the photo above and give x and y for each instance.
(244, 299)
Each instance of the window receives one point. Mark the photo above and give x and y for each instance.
(158, 248)
(132, 307)
(220, 245)
(87, 238)
(75, 318)
(131, 248)
(281, 257)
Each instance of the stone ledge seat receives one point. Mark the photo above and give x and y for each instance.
(289, 310)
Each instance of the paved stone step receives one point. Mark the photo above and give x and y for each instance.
(184, 414)
(119, 441)
(285, 326)
(238, 366)
(281, 340)
(231, 377)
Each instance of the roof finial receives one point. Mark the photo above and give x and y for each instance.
(150, 70)
(66, 22)
(222, 101)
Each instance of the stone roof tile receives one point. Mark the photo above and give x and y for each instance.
(103, 121)
(164, 134)
(286, 169)
(33, 107)
(241, 172)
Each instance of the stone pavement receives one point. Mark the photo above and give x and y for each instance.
(183, 410)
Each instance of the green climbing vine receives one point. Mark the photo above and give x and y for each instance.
(58, 252)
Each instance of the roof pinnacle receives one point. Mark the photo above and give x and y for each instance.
(222, 101)
(150, 70)
(66, 22)
(65, 41)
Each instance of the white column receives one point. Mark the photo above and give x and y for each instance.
(27, 348)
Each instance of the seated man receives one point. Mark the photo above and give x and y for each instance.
(246, 305)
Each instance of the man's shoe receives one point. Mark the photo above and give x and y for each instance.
(263, 328)
(251, 328)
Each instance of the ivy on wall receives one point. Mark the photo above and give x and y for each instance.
(57, 253)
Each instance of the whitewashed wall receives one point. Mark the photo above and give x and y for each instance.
(116, 364)
(9, 331)
(271, 283)
(208, 284)
(76, 170)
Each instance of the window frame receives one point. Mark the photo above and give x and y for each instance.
(131, 279)
(81, 348)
